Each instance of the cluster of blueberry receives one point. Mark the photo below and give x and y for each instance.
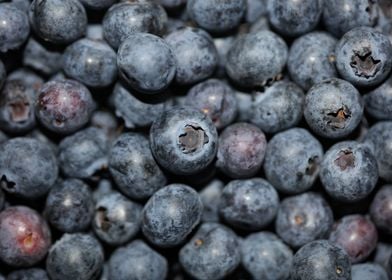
(195, 139)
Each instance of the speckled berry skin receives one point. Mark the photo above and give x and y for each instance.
(146, 63)
(84, 153)
(64, 106)
(210, 196)
(183, 140)
(215, 99)
(349, 171)
(294, 18)
(292, 160)
(14, 29)
(24, 236)
(195, 54)
(380, 210)
(266, 257)
(69, 206)
(28, 274)
(212, 253)
(278, 107)
(312, 59)
(241, 150)
(364, 56)
(28, 167)
(366, 271)
(378, 102)
(92, 62)
(303, 218)
(171, 214)
(333, 108)
(57, 21)
(256, 58)
(133, 167)
(320, 260)
(137, 261)
(3, 74)
(75, 256)
(124, 19)
(17, 103)
(357, 235)
(117, 219)
(98, 4)
(340, 16)
(217, 15)
(378, 138)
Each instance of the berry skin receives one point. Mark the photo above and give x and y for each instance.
(28, 167)
(321, 260)
(28, 274)
(75, 256)
(171, 214)
(241, 150)
(378, 102)
(183, 140)
(64, 106)
(303, 218)
(333, 108)
(266, 257)
(146, 63)
(292, 160)
(24, 236)
(249, 204)
(367, 271)
(364, 56)
(212, 253)
(381, 210)
(210, 196)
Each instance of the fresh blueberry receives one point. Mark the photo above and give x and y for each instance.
(254, 59)
(261, 24)
(133, 167)
(255, 10)
(292, 160)
(249, 204)
(244, 101)
(212, 253)
(23, 5)
(380, 210)
(241, 150)
(28, 274)
(366, 271)
(28, 167)
(210, 196)
(222, 45)
(378, 102)
(382, 254)
(105, 121)
(28, 77)
(98, 4)
(333, 108)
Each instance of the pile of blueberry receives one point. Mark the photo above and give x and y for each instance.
(195, 139)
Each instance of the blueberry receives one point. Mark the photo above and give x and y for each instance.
(222, 45)
(57, 21)
(195, 54)
(92, 62)
(28, 274)
(133, 167)
(357, 235)
(364, 56)
(75, 256)
(312, 59)
(217, 15)
(303, 218)
(183, 140)
(104, 187)
(69, 206)
(378, 139)
(146, 63)
(23, 5)
(28, 77)
(105, 121)
(14, 28)
(212, 253)
(171, 214)
(278, 107)
(340, 16)
(98, 4)
(320, 260)
(266, 257)
(210, 196)
(382, 254)
(244, 101)
(255, 10)
(380, 210)
(261, 24)
(292, 160)
(125, 19)
(367, 271)
(294, 18)
(241, 150)
(378, 102)
(116, 219)
(17, 102)
(3, 74)
(333, 108)
(137, 261)
(249, 204)
(64, 106)
(254, 59)
(28, 167)
(25, 237)
(84, 153)
(215, 99)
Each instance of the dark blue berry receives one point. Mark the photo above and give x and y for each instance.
(378, 102)
(380, 210)
(28, 274)
(367, 271)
